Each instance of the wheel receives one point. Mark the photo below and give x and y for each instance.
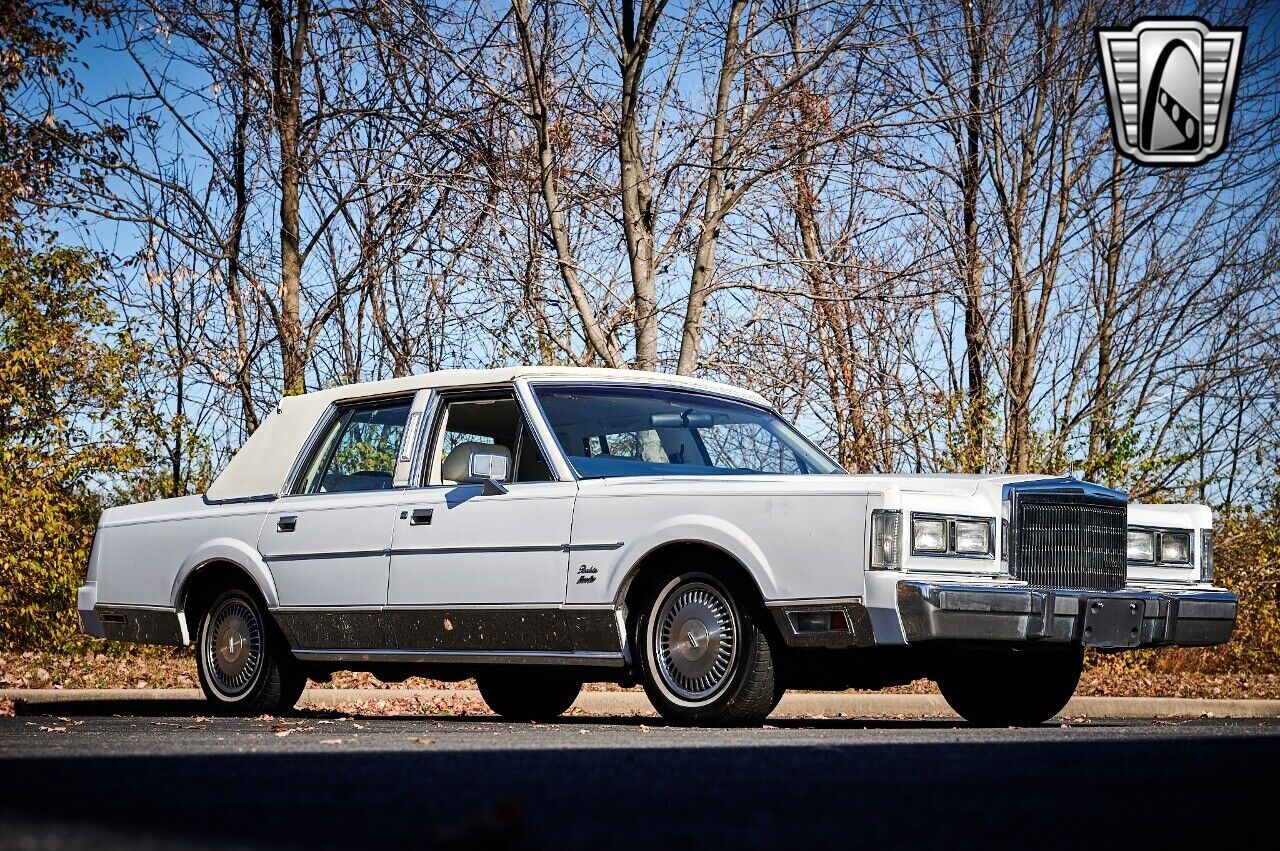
(244, 665)
(528, 696)
(704, 656)
(1012, 687)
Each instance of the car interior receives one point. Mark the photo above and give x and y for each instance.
(488, 425)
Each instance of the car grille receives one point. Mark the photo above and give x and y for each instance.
(1066, 542)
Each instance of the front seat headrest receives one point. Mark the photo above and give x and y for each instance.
(457, 464)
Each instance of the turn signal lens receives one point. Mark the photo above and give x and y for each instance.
(1175, 548)
(929, 536)
(1142, 546)
(1206, 555)
(884, 539)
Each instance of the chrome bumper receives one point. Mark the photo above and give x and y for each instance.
(1104, 619)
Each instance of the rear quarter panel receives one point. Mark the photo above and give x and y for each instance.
(798, 539)
(144, 551)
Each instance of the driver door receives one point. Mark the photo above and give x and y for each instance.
(472, 570)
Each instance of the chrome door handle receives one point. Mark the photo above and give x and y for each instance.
(420, 517)
(287, 524)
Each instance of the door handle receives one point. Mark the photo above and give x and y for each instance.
(420, 517)
(287, 524)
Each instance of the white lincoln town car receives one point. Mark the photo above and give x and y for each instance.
(537, 528)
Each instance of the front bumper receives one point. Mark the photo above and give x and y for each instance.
(1128, 618)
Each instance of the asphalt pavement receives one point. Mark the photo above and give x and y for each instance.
(91, 778)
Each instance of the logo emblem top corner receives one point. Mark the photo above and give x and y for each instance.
(1170, 87)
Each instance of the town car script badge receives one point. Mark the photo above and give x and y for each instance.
(1170, 84)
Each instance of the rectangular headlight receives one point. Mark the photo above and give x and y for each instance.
(884, 539)
(928, 535)
(1142, 545)
(973, 537)
(1206, 555)
(1175, 548)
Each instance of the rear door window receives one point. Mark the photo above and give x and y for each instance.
(360, 450)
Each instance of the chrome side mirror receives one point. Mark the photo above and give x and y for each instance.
(489, 469)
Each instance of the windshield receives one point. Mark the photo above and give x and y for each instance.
(632, 431)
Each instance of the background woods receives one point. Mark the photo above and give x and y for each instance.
(904, 222)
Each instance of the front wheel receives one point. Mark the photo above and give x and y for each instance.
(528, 696)
(244, 666)
(1016, 687)
(704, 656)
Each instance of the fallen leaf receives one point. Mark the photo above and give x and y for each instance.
(283, 730)
(423, 740)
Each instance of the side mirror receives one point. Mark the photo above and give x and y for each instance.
(489, 469)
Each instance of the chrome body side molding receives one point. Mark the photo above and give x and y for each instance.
(586, 658)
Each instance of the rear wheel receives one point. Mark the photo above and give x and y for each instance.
(528, 696)
(1012, 687)
(244, 665)
(704, 656)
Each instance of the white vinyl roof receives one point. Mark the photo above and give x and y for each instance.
(263, 463)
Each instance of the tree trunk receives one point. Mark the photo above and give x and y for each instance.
(286, 79)
(535, 78)
(636, 195)
(975, 329)
(713, 200)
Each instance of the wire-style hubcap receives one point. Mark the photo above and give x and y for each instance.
(233, 647)
(695, 642)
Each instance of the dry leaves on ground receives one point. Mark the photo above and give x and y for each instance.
(460, 704)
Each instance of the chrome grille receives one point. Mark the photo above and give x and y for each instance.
(1064, 541)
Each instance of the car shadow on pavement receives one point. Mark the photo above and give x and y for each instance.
(140, 707)
(1139, 791)
(164, 707)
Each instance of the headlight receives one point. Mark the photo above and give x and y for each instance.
(884, 539)
(1161, 547)
(934, 535)
(1175, 548)
(1206, 555)
(1142, 545)
(973, 537)
(928, 536)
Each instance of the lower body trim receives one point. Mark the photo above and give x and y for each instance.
(461, 629)
(136, 624)
(593, 659)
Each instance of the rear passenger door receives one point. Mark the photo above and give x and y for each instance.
(327, 542)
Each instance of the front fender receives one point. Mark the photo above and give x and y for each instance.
(235, 552)
(694, 529)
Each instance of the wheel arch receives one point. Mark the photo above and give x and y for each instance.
(218, 565)
(711, 535)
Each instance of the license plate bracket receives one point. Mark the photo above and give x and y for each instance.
(1112, 622)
